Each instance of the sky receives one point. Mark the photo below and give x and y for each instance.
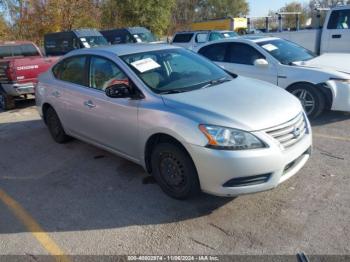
(262, 7)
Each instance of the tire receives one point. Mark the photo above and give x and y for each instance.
(55, 127)
(7, 102)
(174, 171)
(312, 100)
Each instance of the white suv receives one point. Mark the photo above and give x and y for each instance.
(193, 39)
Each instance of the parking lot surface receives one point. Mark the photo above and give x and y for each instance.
(83, 200)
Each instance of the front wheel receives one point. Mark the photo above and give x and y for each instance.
(312, 100)
(6, 102)
(174, 170)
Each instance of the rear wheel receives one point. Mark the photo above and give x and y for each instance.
(55, 126)
(312, 100)
(7, 102)
(174, 171)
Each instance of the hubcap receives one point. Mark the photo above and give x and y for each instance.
(306, 98)
(171, 170)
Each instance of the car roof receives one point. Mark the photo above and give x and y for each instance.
(241, 39)
(258, 38)
(203, 31)
(193, 31)
(125, 49)
(254, 39)
(15, 42)
(341, 7)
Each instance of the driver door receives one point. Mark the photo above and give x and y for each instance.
(241, 59)
(109, 122)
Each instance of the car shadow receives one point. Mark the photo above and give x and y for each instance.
(75, 186)
(21, 104)
(330, 117)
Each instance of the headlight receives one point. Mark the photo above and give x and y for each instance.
(230, 139)
(347, 81)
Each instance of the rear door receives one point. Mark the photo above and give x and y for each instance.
(238, 58)
(336, 35)
(200, 39)
(183, 39)
(241, 58)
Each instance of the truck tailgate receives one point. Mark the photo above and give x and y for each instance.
(28, 69)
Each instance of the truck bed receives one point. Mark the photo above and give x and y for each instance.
(308, 38)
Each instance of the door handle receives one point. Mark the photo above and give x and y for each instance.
(336, 36)
(56, 94)
(89, 104)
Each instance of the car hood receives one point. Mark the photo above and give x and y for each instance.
(242, 103)
(331, 61)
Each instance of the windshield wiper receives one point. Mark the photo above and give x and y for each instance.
(216, 82)
(174, 91)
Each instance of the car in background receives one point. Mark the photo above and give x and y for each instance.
(320, 83)
(129, 35)
(184, 119)
(60, 43)
(193, 39)
(21, 62)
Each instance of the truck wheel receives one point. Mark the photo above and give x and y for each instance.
(7, 102)
(55, 126)
(312, 100)
(174, 171)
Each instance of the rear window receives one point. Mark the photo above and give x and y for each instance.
(183, 38)
(18, 50)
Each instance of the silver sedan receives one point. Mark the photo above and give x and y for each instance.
(189, 123)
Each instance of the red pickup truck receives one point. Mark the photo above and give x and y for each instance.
(21, 62)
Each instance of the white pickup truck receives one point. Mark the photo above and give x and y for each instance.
(334, 37)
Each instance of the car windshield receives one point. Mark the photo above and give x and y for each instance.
(229, 34)
(146, 37)
(175, 70)
(92, 41)
(286, 52)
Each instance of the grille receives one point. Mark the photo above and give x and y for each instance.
(288, 134)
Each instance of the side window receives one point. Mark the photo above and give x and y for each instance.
(215, 52)
(25, 50)
(71, 70)
(105, 73)
(240, 53)
(201, 38)
(339, 19)
(183, 38)
(215, 36)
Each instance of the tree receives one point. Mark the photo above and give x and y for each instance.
(209, 9)
(289, 21)
(183, 14)
(31, 19)
(4, 28)
(153, 14)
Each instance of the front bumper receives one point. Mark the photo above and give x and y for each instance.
(341, 95)
(218, 169)
(17, 89)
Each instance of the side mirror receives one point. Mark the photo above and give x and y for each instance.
(120, 90)
(261, 62)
